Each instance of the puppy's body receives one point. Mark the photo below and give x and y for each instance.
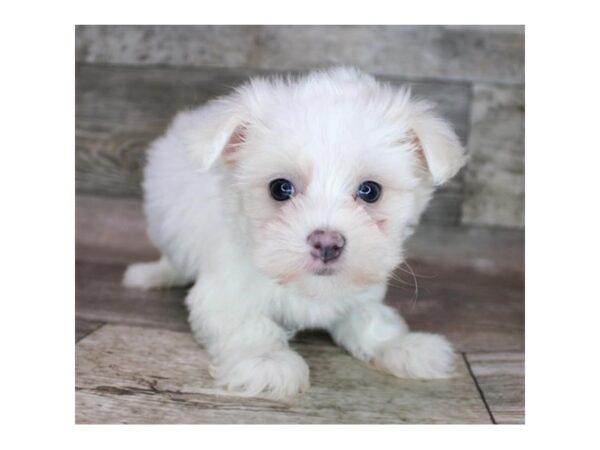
(258, 264)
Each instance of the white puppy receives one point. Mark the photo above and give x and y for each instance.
(287, 203)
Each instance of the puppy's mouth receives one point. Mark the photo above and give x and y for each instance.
(324, 271)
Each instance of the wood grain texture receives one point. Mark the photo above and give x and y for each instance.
(475, 311)
(443, 52)
(483, 53)
(84, 327)
(493, 251)
(121, 109)
(495, 176)
(111, 230)
(101, 298)
(137, 375)
(501, 377)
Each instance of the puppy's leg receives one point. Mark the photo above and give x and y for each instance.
(153, 275)
(249, 351)
(377, 334)
(258, 366)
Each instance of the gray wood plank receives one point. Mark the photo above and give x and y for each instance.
(479, 310)
(475, 311)
(441, 52)
(120, 110)
(495, 176)
(206, 45)
(495, 251)
(501, 377)
(101, 298)
(85, 327)
(138, 375)
(474, 53)
(111, 230)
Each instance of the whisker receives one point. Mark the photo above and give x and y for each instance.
(396, 277)
(412, 272)
(416, 285)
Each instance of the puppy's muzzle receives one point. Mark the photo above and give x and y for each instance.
(327, 245)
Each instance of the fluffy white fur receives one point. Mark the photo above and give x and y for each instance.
(210, 213)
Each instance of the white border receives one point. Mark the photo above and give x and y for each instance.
(38, 223)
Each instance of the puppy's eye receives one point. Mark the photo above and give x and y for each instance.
(281, 189)
(369, 191)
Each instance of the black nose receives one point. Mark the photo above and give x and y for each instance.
(326, 245)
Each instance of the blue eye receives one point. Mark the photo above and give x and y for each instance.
(369, 191)
(281, 189)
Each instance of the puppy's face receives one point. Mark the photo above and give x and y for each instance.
(328, 198)
(331, 175)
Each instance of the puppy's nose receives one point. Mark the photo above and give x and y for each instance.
(326, 245)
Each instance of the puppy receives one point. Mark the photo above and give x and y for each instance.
(287, 203)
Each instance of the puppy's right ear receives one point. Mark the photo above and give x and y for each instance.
(436, 142)
(212, 132)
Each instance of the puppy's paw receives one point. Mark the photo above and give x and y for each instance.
(417, 355)
(146, 276)
(278, 374)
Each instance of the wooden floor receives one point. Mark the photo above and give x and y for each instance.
(136, 360)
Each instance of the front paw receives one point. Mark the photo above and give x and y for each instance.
(417, 355)
(278, 374)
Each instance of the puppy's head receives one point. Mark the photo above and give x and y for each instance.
(329, 172)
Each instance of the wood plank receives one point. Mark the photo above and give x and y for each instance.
(204, 45)
(475, 311)
(501, 377)
(490, 250)
(138, 375)
(85, 327)
(495, 176)
(470, 295)
(101, 298)
(120, 110)
(442, 52)
(483, 53)
(111, 230)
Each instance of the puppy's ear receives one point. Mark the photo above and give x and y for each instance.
(436, 142)
(212, 132)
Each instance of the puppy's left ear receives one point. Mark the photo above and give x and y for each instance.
(213, 132)
(438, 145)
